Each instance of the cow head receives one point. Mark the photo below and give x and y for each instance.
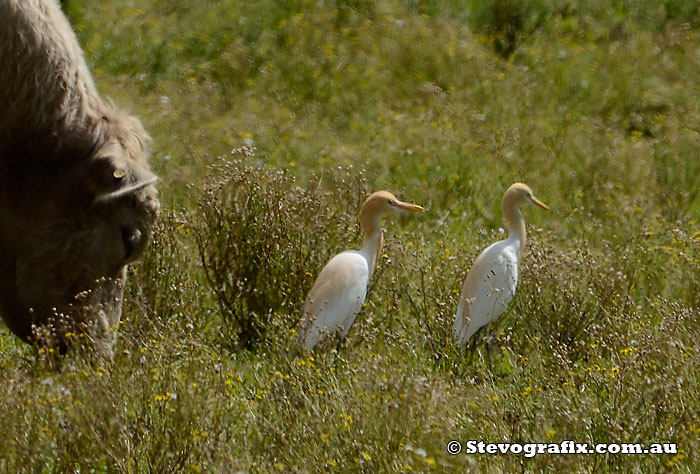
(69, 238)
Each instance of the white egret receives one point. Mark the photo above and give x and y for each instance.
(491, 282)
(337, 296)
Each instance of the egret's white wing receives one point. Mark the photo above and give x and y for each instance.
(487, 290)
(335, 298)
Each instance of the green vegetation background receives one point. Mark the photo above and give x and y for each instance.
(272, 121)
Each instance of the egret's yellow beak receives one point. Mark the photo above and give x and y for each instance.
(404, 206)
(537, 202)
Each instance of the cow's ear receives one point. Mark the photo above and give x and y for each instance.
(106, 174)
(113, 177)
(123, 191)
(119, 173)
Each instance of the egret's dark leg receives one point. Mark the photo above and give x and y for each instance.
(336, 358)
(488, 353)
(340, 343)
(473, 342)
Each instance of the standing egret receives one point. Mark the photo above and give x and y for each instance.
(337, 296)
(491, 282)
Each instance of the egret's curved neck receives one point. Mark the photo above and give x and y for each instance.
(516, 223)
(372, 245)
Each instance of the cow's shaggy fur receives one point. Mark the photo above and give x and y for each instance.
(77, 198)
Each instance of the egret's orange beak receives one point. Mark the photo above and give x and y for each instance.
(540, 203)
(404, 206)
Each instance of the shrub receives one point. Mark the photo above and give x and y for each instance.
(261, 238)
(161, 283)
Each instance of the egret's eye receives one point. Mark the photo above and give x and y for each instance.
(391, 202)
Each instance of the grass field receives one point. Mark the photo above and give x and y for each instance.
(272, 121)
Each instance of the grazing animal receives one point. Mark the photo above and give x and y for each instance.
(77, 197)
(491, 282)
(337, 296)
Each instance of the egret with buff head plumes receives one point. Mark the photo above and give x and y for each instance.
(339, 292)
(491, 282)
